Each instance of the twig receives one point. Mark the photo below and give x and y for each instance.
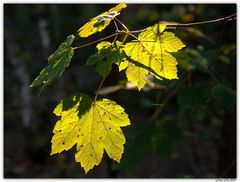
(124, 26)
(115, 23)
(99, 40)
(175, 25)
(183, 25)
(97, 91)
(227, 18)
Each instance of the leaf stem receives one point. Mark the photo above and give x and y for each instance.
(124, 26)
(97, 91)
(99, 40)
(115, 23)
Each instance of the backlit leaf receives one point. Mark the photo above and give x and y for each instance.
(100, 22)
(152, 49)
(94, 127)
(135, 74)
(57, 63)
(123, 65)
(163, 63)
(154, 39)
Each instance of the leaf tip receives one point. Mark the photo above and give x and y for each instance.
(86, 171)
(71, 36)
(162, 27)
(52, 153)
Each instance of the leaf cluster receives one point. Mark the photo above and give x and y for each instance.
(95, 125)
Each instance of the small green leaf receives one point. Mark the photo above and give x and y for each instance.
(107, 55)
(104, 68)
(93, 59)
(57, 63)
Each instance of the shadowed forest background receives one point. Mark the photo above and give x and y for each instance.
(183, 128)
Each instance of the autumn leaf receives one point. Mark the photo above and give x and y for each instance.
(154, 38)
(57, 63)
(100, 22)
(153, 49)
(93, 126)
(135, 74)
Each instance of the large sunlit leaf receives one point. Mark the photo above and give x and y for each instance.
(164, 64)
(153, 49)
(57, 63)
(156, 39)
(100, 22)
(94, 127)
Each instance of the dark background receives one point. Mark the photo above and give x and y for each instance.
(184, 129)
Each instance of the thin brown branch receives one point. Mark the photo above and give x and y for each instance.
(99, 40)
(115, 23)
(124, 26)
(170, 26)
(183, 25)
(97, 91)
(227, 18)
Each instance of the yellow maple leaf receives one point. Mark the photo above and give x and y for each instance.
(135, 74)
(153, 49)
(100, 22)
(94, 127)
